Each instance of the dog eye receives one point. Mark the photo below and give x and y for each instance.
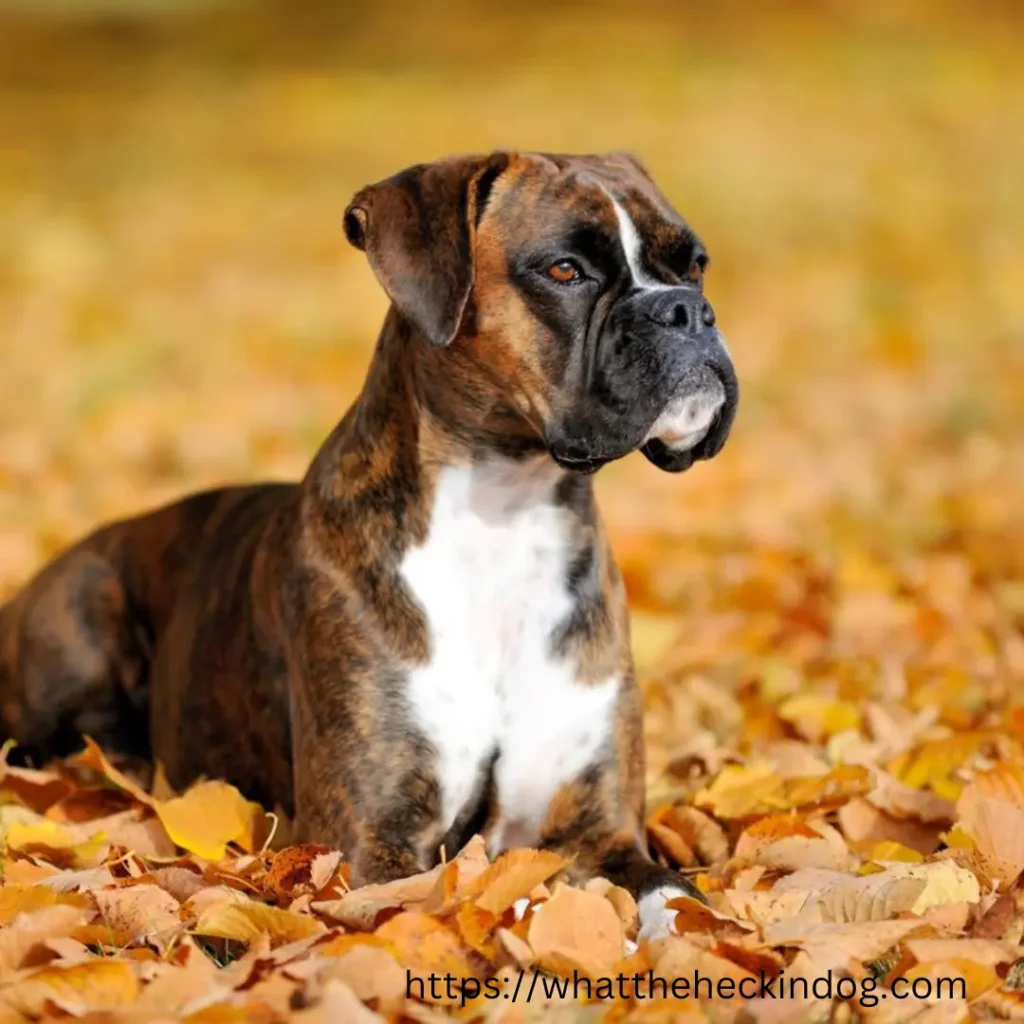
(564, 272)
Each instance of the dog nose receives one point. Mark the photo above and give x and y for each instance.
(682, 308)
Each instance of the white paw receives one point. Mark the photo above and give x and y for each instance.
(656, 919)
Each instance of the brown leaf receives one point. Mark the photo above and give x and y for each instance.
(31, 787)
(902, 801)
(580, 927)
(145, 912)
(864, 825)
(20, 939)
(291, 871)
(93, 757)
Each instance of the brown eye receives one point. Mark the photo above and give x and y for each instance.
(564, 272)
(696, 273)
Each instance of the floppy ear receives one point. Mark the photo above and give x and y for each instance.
(417, 231)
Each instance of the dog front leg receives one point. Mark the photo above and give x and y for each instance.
(587, 823)
(363, 782)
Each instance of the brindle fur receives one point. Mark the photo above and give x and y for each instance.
(262, 634)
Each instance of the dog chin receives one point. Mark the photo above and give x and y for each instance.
(688, 429)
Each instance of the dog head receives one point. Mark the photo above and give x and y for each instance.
(562, 298)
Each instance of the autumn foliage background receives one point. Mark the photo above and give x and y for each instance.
(838, 597)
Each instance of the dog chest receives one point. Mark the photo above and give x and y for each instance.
(491, 580)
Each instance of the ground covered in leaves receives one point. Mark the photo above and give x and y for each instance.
(827, 618)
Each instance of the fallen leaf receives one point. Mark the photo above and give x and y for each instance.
(21, 937)
(997, 828)
(209, 816)
(292, 868)
(93, 757)
(576, 926)
(98, 984)
(426, 946)
(512, 876)
(23, 899)
(245, 920)
(145, 912)
(817, 717)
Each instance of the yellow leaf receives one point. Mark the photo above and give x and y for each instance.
(50, 835)
(741, 791)
(825, 792)
(932, 763)
(890, 850)
(816, 717)
(208, 817)
(23, 899)
(245, 921)
(94, 984)
(945, 882)
(957, 839)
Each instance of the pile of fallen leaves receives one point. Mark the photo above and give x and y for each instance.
(880, 864)
(827, 619)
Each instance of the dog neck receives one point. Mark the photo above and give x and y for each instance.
(421, 412)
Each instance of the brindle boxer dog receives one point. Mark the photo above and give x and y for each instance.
(427, 637)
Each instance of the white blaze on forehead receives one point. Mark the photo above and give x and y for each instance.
(632, 246)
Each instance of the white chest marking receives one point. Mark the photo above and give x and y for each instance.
(491, 581)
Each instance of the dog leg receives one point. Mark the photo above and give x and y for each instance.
(70, 662)
(587, 822)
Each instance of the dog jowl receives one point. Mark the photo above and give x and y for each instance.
(427, 637)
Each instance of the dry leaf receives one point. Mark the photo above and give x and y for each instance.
(93, 757)
(21, 937)
(512, 876)
(581, 927)
(96, 984)
(426, 946)
(208, 817)
(145, 912)
(291, 872)
(245, 921)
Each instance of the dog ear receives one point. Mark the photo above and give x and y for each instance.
(417, 230)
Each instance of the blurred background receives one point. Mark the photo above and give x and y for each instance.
(178, 307)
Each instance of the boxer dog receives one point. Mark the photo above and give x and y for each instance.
(427, 637)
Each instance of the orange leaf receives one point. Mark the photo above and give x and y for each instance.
(292, 868)
(425, 945)
(512, 876)
(476, 926)
(94, 758)
(95, 984)
(579, 927)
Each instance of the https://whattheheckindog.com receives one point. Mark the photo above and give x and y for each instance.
(528, 986)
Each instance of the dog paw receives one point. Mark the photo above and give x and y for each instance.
(656, 919)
